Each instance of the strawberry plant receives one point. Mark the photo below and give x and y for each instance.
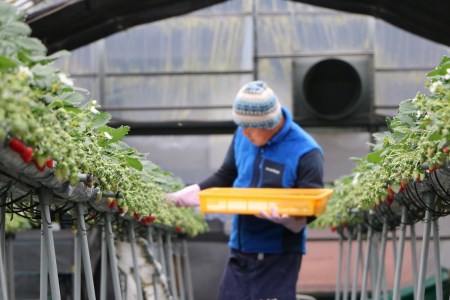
(415, 146)
(50, 123)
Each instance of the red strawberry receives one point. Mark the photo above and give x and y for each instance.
(137, 216)
(16, 145)
(433, 168)
(111, 202)
(390, 200)
(391, 191)
(403, 187)
(27, 154)
(445, 150)
(49, 163)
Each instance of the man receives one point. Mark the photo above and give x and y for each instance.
(269, 151)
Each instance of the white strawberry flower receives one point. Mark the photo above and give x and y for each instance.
(434, 86)
(107, 135)
(64, 79)
(24, 72)
(94, 110)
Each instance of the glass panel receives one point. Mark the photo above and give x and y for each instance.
(182, 44)
(275, 6)
(396, 48)
(387, 112)
(195, 157)
(83, 60)
(329, 33)
(391, 88)
(277, 73)
(32, 6)
(174, 91)
(192, 158)
(339, 146)
(89, 83)
(231, 6)
(332, 33)
(275, 34)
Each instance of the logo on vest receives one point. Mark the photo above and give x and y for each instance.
(272, 170)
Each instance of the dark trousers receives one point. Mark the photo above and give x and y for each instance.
(260, 276)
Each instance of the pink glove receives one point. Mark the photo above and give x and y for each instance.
(294, 224)
(187, 196)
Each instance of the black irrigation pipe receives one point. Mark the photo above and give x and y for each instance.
(6, 188)
(16, 200)
(446, 196)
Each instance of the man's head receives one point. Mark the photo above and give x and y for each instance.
(257, 110)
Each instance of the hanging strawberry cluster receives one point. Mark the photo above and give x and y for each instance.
(414, 147)
(51, 124)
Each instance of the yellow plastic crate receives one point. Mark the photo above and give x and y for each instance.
(294, 202)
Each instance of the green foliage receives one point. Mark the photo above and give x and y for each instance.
(417, 136)
(40, 106)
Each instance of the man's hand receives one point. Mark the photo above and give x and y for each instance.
(185, 197)
(294, 224)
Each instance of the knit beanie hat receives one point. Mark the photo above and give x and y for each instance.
(256, 106)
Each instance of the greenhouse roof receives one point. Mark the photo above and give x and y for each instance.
(73, 23)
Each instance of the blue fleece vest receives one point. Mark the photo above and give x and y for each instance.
(273, 165)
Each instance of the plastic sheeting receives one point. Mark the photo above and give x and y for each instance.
(166, 70)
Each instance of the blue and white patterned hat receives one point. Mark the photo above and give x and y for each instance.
(256, 106)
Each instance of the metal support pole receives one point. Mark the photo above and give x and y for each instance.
(85, 252)
(9, 266)
(339, 270)
(171, 268)
(3, 286)
(3, 226)
(429, 198)
(374, 261)
(179, 271)
(394, 245)
(347, 262)
(187, 270)
(137, 278)
(44, 267)
(357, 263)
(381, 262)
(437, 260)
(150, 241)
(104, 265)
(366, 264)
(45, 198)
(112, 257)
(77, 267)
(153, 258)
(412, 228)
(399, 255)
(162, 259)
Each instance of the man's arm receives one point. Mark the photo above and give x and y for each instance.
(310, 173)
(310, 170)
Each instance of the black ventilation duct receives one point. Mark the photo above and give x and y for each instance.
(333, 90)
